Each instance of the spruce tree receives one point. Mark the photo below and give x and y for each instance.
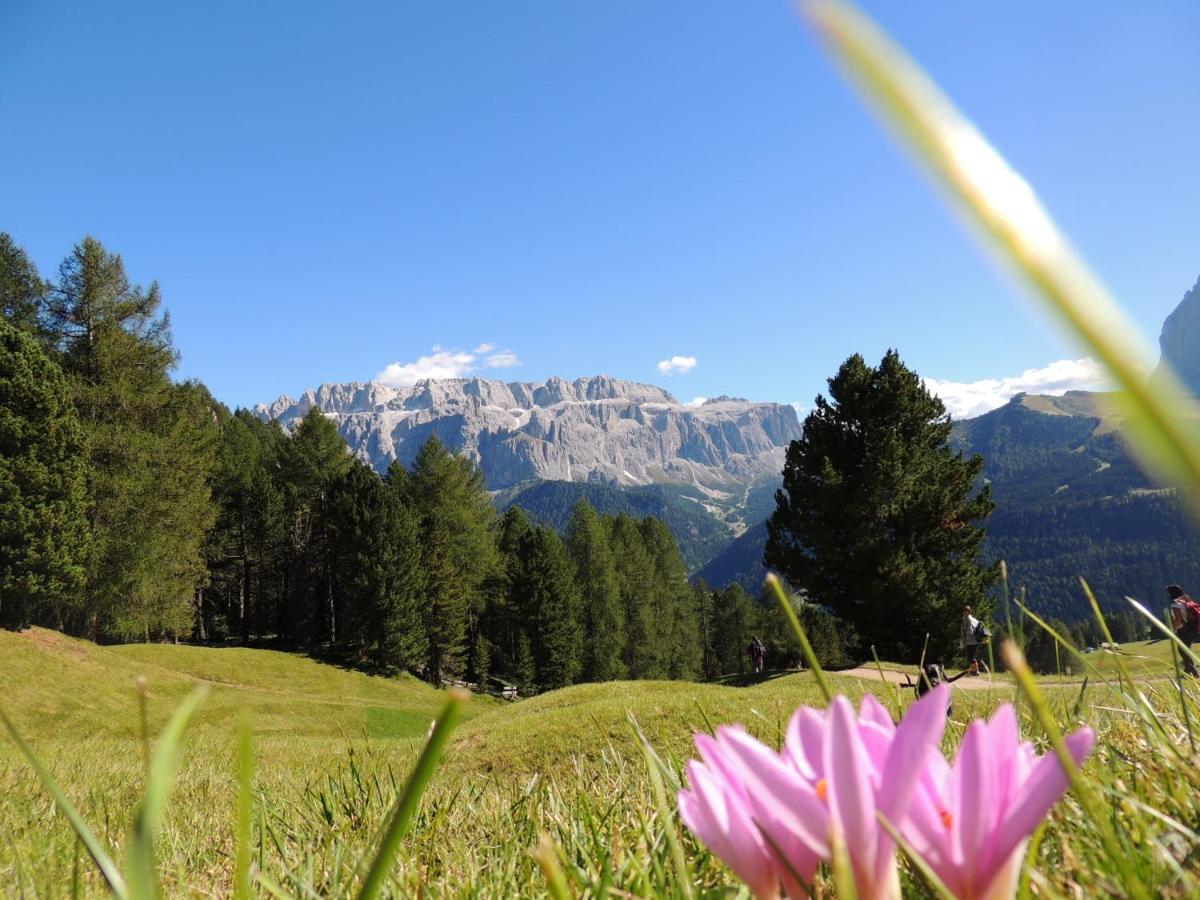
(636, 580)
(879, 519)
(44, 533)
(22, 290)
(602, 614)
(149, 447)
(505, 624)
(312, 461)
(675, 620)
(450, 496)
(733, 628)
(547, 590)
(379, 576)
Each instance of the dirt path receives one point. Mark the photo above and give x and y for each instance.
(967, 682)
(998, 682)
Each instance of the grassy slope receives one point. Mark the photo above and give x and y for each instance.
(52, 683)
(329, 762)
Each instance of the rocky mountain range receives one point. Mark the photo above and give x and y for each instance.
(596, 430)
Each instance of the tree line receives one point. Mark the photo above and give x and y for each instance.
(134, 507)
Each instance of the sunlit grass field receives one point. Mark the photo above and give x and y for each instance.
(333, 747)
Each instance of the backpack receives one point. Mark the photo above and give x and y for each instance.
(1192, 610)
(981, 633)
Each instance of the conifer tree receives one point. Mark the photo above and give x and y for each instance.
(546, 586)
(602, 614)
(505, 624)
(449, 494)
(150, 446)
(43, 527)
(879, 519)
(379, 575)
(675, 620)
(22, 290)
(733, 628)
(312, 461)
(636, 580)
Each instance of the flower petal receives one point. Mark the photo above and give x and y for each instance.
(1046, 784)
(851, 796)
(917, 735)
(871, 710)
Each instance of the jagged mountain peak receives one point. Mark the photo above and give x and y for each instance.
(597, 428)
(1179, 340)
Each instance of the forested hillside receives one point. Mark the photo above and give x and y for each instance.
(139, 508)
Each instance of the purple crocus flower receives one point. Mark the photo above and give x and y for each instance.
(836, 772)
(971, 821)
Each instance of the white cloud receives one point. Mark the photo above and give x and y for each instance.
(443, 363)
(801, 409)
(505, 359)
(677, 365)
(697, 401)
(966, 399)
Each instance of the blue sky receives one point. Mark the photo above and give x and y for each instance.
(324, 191)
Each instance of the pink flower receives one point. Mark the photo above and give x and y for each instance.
(836, 772)
(971, 821)
(717, 810)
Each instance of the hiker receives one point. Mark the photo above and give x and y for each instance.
(1185, 619)
(973, 634)
(757, 651)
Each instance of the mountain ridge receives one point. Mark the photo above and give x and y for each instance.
(598, 429)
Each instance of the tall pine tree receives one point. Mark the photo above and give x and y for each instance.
(149, 447)
(879, 519)
(601, 612)
(450, 497)
(43, 527)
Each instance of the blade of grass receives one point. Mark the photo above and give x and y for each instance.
(96, 850)
(805, 647)
(892, 687)
(245, 809)
(665, 811)
(1015, 660)
(930, 876)
(407, 804)
(546, 856)
(140, 868)
(1005, 209)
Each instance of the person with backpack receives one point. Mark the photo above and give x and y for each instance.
(972, 635)
(1185, 619)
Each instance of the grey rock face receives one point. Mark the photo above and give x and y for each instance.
(590, 429)
(1180, 339)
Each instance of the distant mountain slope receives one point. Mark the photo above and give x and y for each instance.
(597, 429)
(740, 562)
(1072, 501)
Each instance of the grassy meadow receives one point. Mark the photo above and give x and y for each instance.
(333, 747)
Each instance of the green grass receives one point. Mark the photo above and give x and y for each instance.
(334, 747)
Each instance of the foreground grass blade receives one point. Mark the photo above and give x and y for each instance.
(245, 803)
(665, 811)
(143, 879)
(100, 856)
(546, 856)
(1161, 420)
(1015, 660)
(406, 806)
(810, 655)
